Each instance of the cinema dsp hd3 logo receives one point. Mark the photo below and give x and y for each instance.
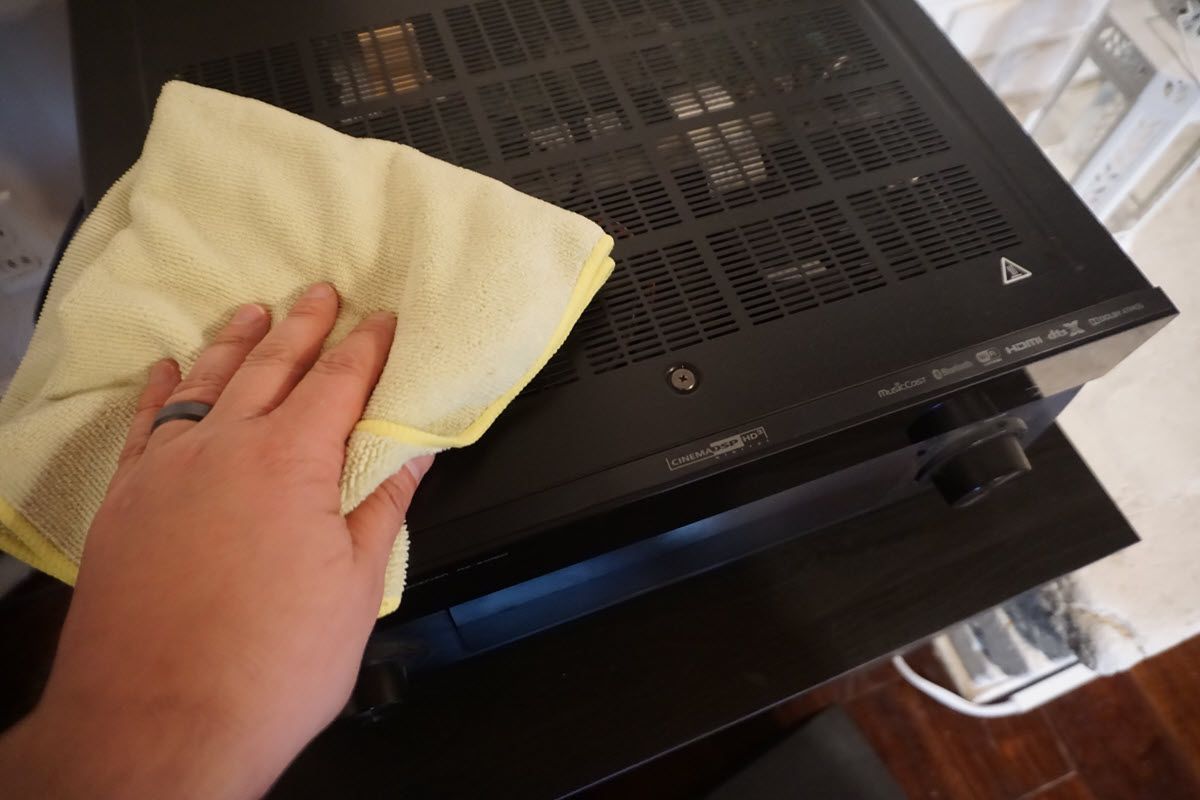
(720, 448)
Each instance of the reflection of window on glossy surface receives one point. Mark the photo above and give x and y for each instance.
(375, 63)
(399, 56)
(728, 152)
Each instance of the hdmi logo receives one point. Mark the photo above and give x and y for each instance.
(1017, 347)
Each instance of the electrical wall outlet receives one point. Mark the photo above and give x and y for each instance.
(22, 262)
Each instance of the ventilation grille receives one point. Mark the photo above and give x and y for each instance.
(794, 262)
(559, 371)
(654, 303)
(274, 76)
(628, 18)
(735, 7)
(550, 110)
(504, 34)
(621, 191)
(732, 127)
(442, 128)
(871, 129)
(736, 163)
(390, 60)
(932, 222)
(812, 47)
(685, 79)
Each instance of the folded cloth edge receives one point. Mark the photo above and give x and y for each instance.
(595, 272)
(20, 538)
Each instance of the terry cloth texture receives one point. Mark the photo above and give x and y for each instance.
(236, 201)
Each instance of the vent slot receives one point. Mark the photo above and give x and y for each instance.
(621, 191)
(496, 34)
(559, 371)
(873, 128)
(686, 79)
(655, 303)
(757, 134)
(550, 110)
(795, 262)
(275, 76)
(933, 222)
(394, 59)
(808, 48)
(733, 8)
(628, 18)
(442, 128)
(736, 163)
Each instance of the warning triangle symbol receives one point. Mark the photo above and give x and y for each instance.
(1013, 272)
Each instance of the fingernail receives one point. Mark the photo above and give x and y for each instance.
(161, 369)
(252, 312)
(320, 290)
(419, 466)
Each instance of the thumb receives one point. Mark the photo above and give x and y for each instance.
(376, 522)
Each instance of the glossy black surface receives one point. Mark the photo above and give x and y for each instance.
(810, 198)
(572, 706)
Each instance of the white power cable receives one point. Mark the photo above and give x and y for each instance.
(951, 700)
(1021, 702)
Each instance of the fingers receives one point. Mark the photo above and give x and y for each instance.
(377, 520)
(331, 397)
(164, 376)
(250, 369)
(281, 359)
(217, 364)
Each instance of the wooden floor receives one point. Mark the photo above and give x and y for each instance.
(1134, 735)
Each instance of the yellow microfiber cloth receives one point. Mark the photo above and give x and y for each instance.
(236, 201)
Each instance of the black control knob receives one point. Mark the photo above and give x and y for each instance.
(970, 475)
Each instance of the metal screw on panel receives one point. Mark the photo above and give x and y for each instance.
(683, 378)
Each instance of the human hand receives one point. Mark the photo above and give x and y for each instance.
(223, 601)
